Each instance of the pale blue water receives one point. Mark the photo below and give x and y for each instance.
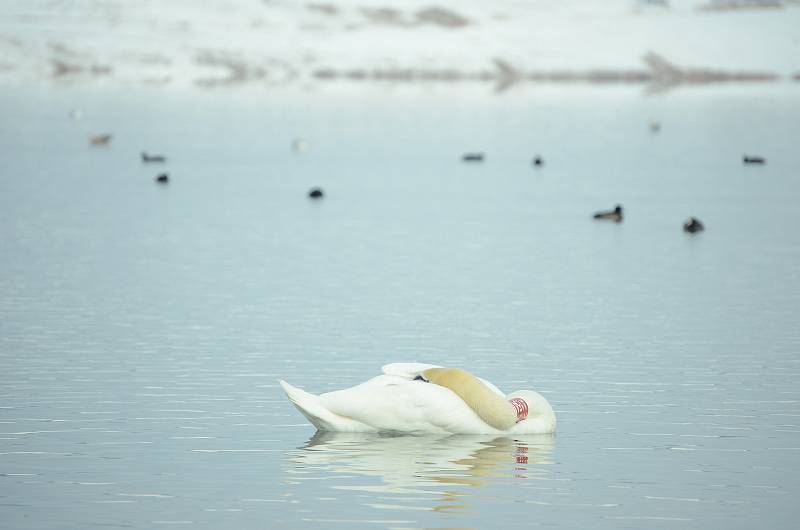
(143, 327)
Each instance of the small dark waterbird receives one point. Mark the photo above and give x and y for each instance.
(693, 225)
(315, 193)
(153, 158)
(472, 157)
(613, 215)
(538, 161)
(163, 178)
(746, 159)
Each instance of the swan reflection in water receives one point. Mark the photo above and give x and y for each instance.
(444, 467)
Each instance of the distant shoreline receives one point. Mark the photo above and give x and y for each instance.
(658, 44)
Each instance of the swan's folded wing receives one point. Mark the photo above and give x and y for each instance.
(406, 370)
(374, 402)
(392, 403)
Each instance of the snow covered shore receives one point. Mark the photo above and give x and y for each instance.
(223, 42)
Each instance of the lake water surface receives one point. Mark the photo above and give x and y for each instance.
(143, 327)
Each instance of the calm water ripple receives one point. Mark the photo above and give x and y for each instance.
(143, 328)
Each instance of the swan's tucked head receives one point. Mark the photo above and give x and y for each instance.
(539, 409)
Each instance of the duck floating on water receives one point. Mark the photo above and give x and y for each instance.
(425, 398)
(472, 157)
(753, 160)
(100, 139)
(163, 178)
(316, 193)
(153, 158)
(538, 161)
(693, 225)
(614, 215)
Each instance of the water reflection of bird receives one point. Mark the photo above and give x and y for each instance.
(415, 397)
(406, 464)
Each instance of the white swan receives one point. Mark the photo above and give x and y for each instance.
(415, 397)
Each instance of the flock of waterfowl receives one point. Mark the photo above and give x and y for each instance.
(478, 157)
(691, 225)
(105, 139)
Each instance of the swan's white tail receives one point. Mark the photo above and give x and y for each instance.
(322, 418)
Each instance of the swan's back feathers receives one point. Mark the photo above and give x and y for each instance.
(488, 405)
(391, 403)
